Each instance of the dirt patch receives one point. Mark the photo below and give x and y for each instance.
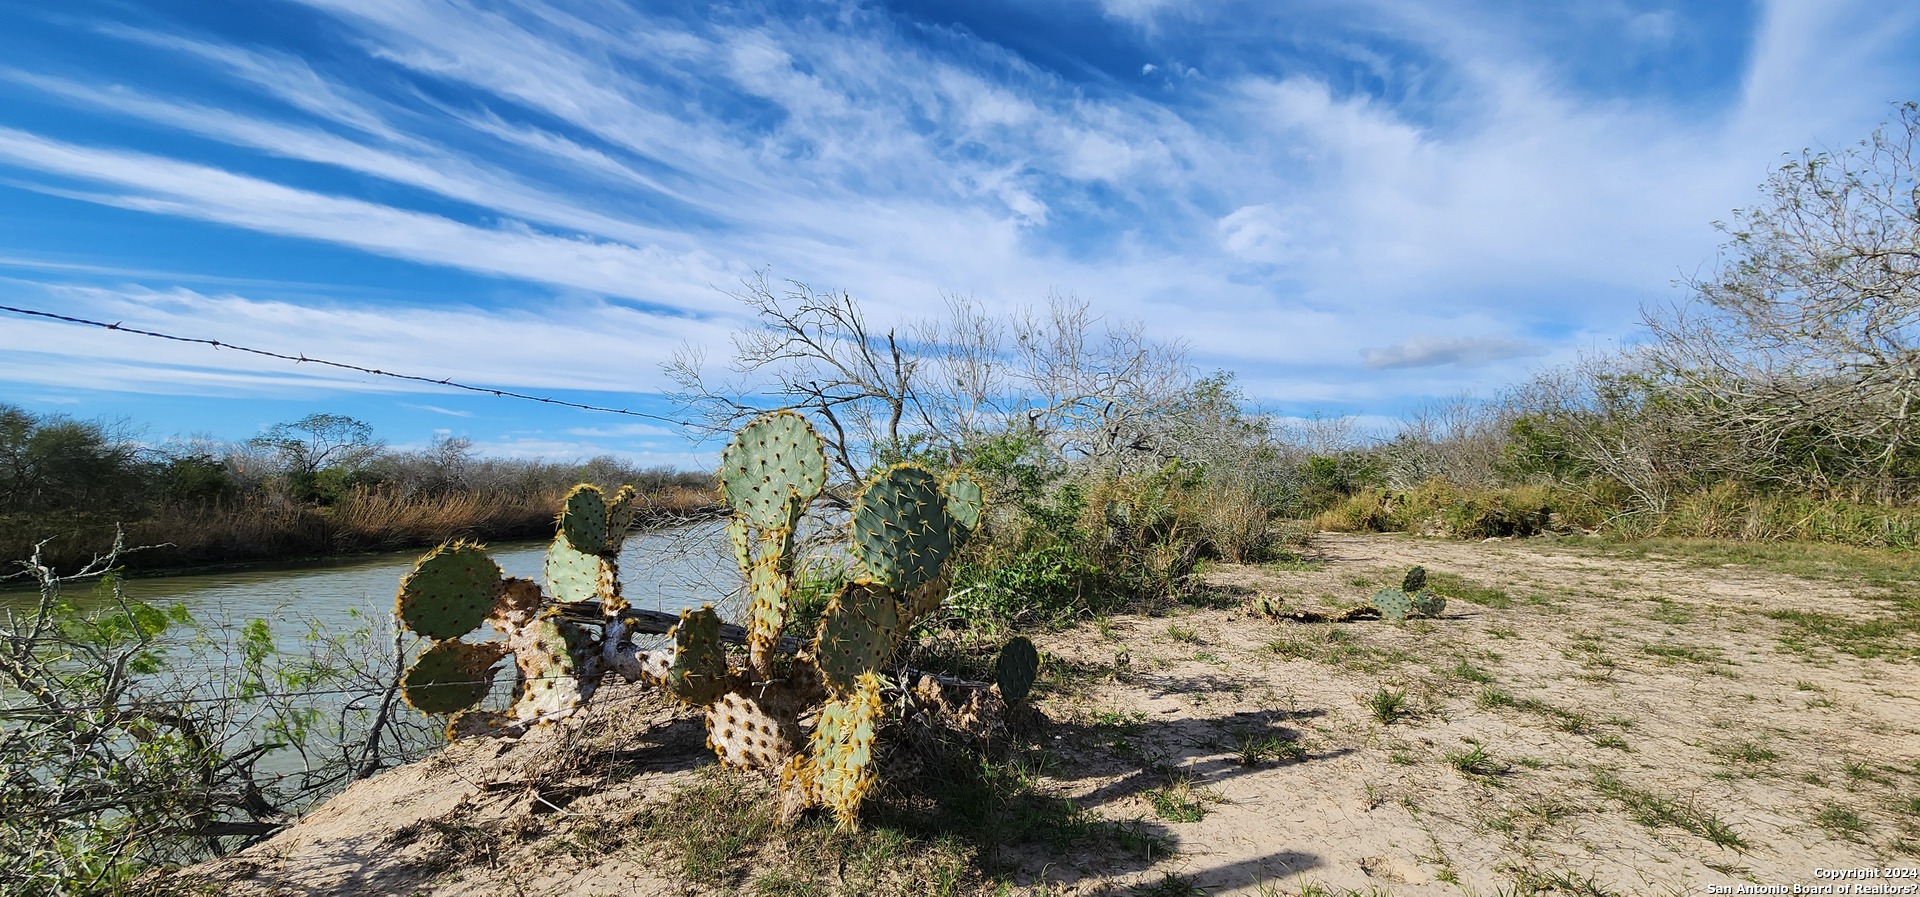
(1584, 724)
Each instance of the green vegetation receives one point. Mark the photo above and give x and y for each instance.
(318, 485)
(119, 753)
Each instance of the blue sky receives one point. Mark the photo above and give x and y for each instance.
(1356, 206)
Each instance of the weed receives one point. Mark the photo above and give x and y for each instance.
(1612, 741)
(1452, 586)
(1387, 705)
(1491, 697)
(1170, 885)
(1653, 811)
(1259, 750)
(1180, 801)
(1743, 752)
(1477, 763)
(1858, 771)
(1181, 633)
(1466, 671)
(1841, 823)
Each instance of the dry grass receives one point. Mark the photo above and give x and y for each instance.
(366, 520)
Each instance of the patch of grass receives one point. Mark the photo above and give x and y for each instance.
(1563, 719)
(1467, 672)
(1181, 800)
(1453, 586)
(1260, 750)
(1841, 822)
(1666, 610)
(1181, 633)
(1655, 811)
(1858, 771)
(1743, 752)
(1502, 632)
(1880, 567)
(1615, 742)
(1387, 705)
(1171, 884)
(1491, 697)
(1477, 763)
(1671, 654)
(1335, 646)
(1911, 807)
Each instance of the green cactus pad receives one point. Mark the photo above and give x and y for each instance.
(451, 676)
(622, 510)
(548, 676)
(449, 592)
(901, 531)
(753, 731)
(1428, 604)
(699, 672)
(964, 501)
(1016, 669)
(1416, 579)
(768, 613)
(776, 455)
(857, 634)
(843, 750)
(740, 535)
(1393, 604)
(583, 519)
(572, 574)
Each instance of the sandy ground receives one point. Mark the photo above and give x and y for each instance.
(1625, 726)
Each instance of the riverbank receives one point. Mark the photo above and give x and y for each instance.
(212, 536)
(1584, 717)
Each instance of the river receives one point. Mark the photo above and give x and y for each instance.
(665, 570)
(348, 604)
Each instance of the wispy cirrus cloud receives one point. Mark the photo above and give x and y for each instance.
(1306, 211)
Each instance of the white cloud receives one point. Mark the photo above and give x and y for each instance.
(1290, 227)
(1453, 351)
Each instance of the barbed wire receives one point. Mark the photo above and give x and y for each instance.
(303, 358)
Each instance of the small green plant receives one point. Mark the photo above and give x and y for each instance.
(1841, 822)
(1259, 750)
(1476, 763)
(1466, 671)
(1181, 801)
(1387, 705)
(1184, 634)
(1743, 752)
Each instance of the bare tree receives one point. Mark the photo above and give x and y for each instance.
(1089, 390)
(1805, 343)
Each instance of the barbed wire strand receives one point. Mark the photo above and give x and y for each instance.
(303, 358)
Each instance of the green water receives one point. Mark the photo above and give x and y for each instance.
(665, 570)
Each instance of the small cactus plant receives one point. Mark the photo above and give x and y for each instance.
(1413, 597)
(904, 525)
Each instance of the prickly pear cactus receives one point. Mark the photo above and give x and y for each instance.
(699, 674)
(842, 767)
(774, 456)
(1415, 580)
(451, 676)
(1393, 604)
(857, 634)
(1016, 668)
(1428, 604)
(902, 533)
(773, 467)
(904, 527)
(456, 590)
